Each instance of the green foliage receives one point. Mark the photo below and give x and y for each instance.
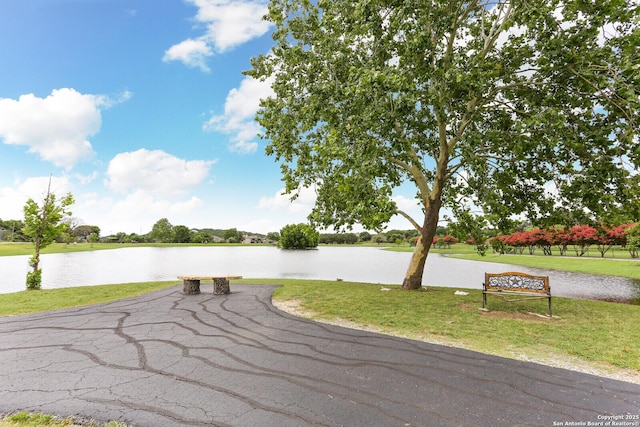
(43, 224)
(338, 238)
(93, 238)
(11, 231)
(298, 236)
(181, 234)
(487, 103)
(633, 240)
(83, 232)
(273, 236)
(365, 236)
(162, 231)
(395, 237)
(233, 236)
(470, 228)
(199, 237)
(34, 280)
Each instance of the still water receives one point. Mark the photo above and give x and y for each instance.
(362, 264)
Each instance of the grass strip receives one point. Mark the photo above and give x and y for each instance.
(25, 302)
(26, 419)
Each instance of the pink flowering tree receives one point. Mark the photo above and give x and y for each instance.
(583, 236)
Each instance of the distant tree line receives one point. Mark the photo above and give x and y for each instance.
(11, 231)
(165, 232)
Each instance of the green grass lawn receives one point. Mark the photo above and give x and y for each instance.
(52, 299)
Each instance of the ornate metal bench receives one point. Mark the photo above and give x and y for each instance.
(519, 285)
(191, 284)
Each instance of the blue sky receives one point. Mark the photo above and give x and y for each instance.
(140, 109)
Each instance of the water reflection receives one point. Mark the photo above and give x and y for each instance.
(364, 264)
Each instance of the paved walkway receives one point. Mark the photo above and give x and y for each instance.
(168, 359)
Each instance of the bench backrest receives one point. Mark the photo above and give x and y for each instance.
(513, 281)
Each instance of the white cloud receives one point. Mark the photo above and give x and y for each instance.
(192, 53)
(231, 22)
(280, 201)
(155, 173)
(87, 179)
(57, 127)
(240, 109)
(405, 204)
(228, 23)
(189, 206)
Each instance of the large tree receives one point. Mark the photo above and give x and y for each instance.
(43, 224)
(298, 236)
(162, 231)
(518, 107)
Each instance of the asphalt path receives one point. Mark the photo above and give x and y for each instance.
(168, 359)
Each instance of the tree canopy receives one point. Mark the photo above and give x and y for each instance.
(162, 231)
(516, 107)
(298, 236)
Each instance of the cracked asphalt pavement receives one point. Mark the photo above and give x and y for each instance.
(168, 359)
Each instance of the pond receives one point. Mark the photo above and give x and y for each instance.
(361, 264)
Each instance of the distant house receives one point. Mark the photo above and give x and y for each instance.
(253, 239)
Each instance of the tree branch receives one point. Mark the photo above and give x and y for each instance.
(418, 176)
(411, 220)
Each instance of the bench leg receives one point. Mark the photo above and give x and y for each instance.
(191, 287)
(221, 286)
(484, 297)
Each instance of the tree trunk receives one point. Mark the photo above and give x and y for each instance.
(413, 278)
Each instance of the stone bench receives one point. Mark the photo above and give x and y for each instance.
(522, 286)
(191, 284)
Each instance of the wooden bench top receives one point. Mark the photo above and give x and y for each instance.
(209, 277)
